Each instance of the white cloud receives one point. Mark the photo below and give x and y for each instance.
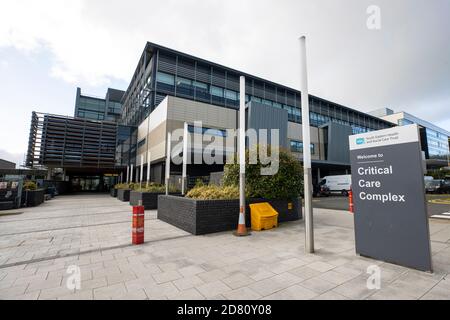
(84, 50)
(404, 65)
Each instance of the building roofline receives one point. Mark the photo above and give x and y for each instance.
(421, 122)
(151, 46)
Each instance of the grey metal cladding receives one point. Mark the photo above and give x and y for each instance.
(261, 116)
(338, 144)
(115, 95)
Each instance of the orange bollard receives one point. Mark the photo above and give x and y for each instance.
(138, 225)
(350, 200)
(242, 228)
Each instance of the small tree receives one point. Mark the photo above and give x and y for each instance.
(287, 184)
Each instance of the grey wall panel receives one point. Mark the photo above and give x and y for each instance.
(261, 116)
(338, 148)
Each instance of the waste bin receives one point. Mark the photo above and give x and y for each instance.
(263, 216)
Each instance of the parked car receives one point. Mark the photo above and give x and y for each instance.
(427, 179)
(338, 184)
(438, 186)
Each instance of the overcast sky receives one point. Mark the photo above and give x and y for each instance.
(49, 47)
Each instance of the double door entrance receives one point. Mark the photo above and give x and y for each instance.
(92, 183)
(87, 184)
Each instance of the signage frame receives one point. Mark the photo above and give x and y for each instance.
(391, 219)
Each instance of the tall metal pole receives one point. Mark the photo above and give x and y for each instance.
(131, 173)
(309, 223)
(185, 159)
(149, 162)
(128, 174)
(242, 146)
(148, 151)
(242, 229)
(169, 147)
(141, 172)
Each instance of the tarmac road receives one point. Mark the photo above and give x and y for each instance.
(437, 204)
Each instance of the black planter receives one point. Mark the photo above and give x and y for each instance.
(149, 199)
(123, 195)
(113, 192)
(8, 199)
(209, 216)
(33, 198)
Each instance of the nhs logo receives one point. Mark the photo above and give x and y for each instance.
(360, 141)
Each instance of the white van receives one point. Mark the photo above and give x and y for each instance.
(338, 184)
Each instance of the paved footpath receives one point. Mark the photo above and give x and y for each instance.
(93, 232)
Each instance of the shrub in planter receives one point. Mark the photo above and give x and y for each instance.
(154, 188)
(124, 186)
(31, 195)
(286, 184)
(29, 186)
(213, 192)
(123, 191)
(209, 209)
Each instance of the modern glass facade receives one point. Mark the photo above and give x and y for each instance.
(91, 108)
(162, 71)
(126, 145)
(434, 140)
(438, 147)
(99, 109)
(297, 146)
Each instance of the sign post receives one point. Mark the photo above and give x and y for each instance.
(391, 220)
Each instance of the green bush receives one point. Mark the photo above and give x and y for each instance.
(214, 192)
(30, 186)
(124, 186)
(155, 188)
(287, 184)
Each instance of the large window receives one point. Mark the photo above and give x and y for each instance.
(185, 86)
(231, 95)
(294, 114)
(201, 90)
(437, 144)
(297, 146)
(209, 131)
(165, 81)
(217, 92)
(141, 143)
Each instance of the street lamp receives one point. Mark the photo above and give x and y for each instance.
(309, 223)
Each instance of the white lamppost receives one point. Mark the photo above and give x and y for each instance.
(185, 159)
(149, 155)
(242, 229)
(141, 172)
(309, 223)
(169, 147)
